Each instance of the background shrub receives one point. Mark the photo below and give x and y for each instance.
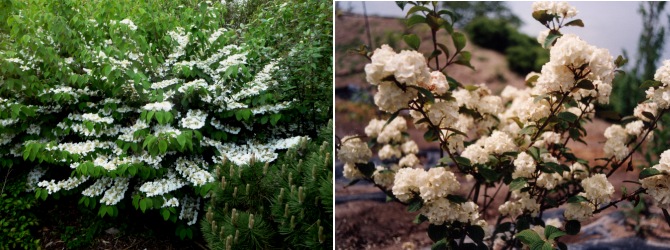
(138, 100)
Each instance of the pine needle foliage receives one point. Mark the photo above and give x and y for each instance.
(285, 205)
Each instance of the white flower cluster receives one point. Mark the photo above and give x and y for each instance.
(129, 23)
(598, 189)
(164, 84)
(158, 106)
(658, 186)
(261, 152)
(407, 67)
(270, 108)
(82, 148)
(194, 174)
(189, 209)
(96, 118)
(98, 187)
(430, 185)
(261, 82)
(172, 202)
(33, 178)
(524, 203)
(442, 210)
(568, 55)
(52, 186)
(617, 138)
(524, 166)
(555, 8)
(227, 128)
(498, 143)
(353, 150)
(116, 192)
(579, 211)
(162, 186)
(661, 94)
(195, 119)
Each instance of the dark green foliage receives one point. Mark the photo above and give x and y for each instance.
(302, 31)
(466, 11)
(286, 204)
(523, 53)
(16, 217)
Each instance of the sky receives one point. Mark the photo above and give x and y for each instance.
(611, 25)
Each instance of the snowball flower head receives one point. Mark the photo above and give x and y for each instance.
(354, 150)
(598, 189)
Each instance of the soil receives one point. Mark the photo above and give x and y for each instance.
(363, 223)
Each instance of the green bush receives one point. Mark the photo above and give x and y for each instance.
(523, 53)
(138, 100)
(285, 205)
(16, 216)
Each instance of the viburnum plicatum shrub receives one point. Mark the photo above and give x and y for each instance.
(138, 107)
(517, 139)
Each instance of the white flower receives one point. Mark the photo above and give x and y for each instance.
(130, 24)
(579, 211)
(194, 174)
(649, 107)
(383, 177)
(351, 172)
(116, 192)
(33, 178)
(407, 182)
(555, 8)
(438, 183)
(524, 166)
(663, 73)
(189, 210)
(409, 147)
(598, 189)
(409, 161)
(164, 84)
(98, 187)
(68, 184)
(354, 150)
(158, 106)
(391, 98)
(658, 187)
(162, 186)
(389, 152)
(634, 128)
(195, 119)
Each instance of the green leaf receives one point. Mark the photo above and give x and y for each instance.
(551, 38)
(414, 205)
(542, 16)
(417, 8)
(620, 61)
(440, 245)
(577, 199)
(160, 117)
(162, 146)
(401, 4)
(528, 237)
(462, 161)
(414, 20)
(649, 116)
(181, 139)
(430, 135)
(165, 213)
(143, 205)
(572, 227)
(551, 232)
(412, 41)
(576, 22)
(393, 116)
(650, 84)
(437, 232)
(649, 172)
(585, 84)
(366, 169)
(568, 116)
(426, 93)
(517, 184)
(456, 198)
(459, 40)
(274, 119)
(476, 233)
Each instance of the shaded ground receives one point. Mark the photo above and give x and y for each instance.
(77, 228)
(364, 220)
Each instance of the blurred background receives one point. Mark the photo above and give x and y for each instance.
(502, 39)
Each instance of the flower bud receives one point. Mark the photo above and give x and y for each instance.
(237, 236)
(221, 233)
(286, 210)
(321, 236)
(290, 179)
(223, 182)
(301, 195)
(292, 221)
(233, 217)
(281, 195)
(251, 221)
(235, 192)
(265, 168)
(229, 242)
(247, 189)
(214, 228)
(224, 160)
